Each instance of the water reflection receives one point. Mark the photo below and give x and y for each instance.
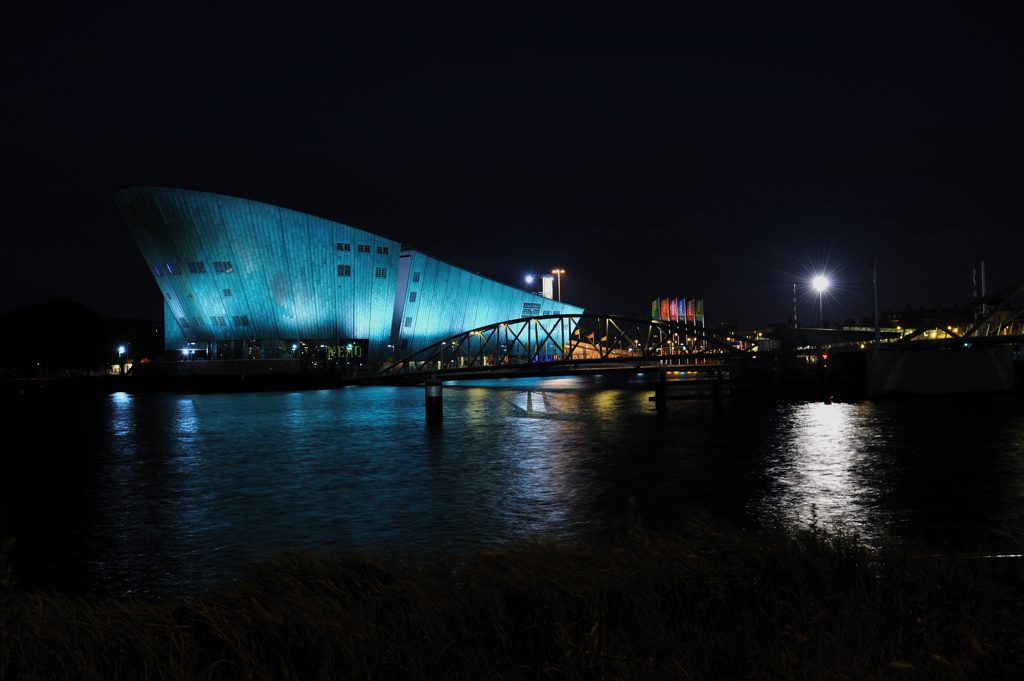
(150, 503)
(826, 459)
(171, 492)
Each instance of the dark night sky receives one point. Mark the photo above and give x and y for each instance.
(721, 155)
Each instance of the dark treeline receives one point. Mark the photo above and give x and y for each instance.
(62, 338)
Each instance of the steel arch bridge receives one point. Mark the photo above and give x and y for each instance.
(567, 340)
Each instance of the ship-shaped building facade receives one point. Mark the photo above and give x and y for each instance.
(246, 279)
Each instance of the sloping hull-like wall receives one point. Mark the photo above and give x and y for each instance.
(233, 269)
(449, 300)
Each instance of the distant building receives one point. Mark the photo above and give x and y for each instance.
(247, 279)
(916, 318)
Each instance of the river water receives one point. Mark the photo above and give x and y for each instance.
(170, 493)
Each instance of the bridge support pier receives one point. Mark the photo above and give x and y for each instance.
(661, 393)
(773, 380)
(434, 404)
(823, 382)
(718, 393)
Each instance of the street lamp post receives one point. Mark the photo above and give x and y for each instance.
(874, 281)
(820, 284)
(559, 274)
(120, 356)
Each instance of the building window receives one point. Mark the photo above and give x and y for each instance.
(227, 292)
(197, 268)
(344, 270)
(408, 322)
(198, 321)
(412, 296)
(223, 267)
(383, 250)
(531, 309)
(183, 322)
(382, 272)
(218, 321)
(344, 247)
(173, 268)
(405, 343)
(157, 270)
(415, 277)
(364, 248)
(240, 320)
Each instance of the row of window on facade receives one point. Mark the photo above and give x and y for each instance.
(217, 320)
(219, 266)
(346, 271)
(363, 248)
(533, 309)
(224, 266)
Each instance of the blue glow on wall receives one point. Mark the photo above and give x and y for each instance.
(450, 300)
(235, 269)
(270, 272)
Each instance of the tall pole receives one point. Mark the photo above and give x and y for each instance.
(874, 280)
(984, 306)
(974, 280)
(795, 324)
(559, 274)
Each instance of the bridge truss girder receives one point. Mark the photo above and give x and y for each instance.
(567, 339)
(991, 304)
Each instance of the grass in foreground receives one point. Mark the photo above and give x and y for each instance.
(711, 604)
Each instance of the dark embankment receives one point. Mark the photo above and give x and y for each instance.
(707, 605)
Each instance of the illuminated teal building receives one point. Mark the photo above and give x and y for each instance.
(247, 279)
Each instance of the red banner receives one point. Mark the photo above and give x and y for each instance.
(689, 310)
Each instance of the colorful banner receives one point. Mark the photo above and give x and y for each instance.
(672, 313)
(700, 311)
(655, 308)
(689, 310)
(664, 310)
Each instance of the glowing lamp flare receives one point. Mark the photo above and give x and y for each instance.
(820, 283)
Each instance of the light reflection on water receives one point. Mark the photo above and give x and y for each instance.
(170, 492)
(824, 461)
